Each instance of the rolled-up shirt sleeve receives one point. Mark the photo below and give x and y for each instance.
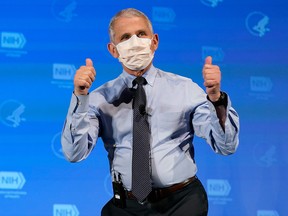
(80, 131)
(206, 125)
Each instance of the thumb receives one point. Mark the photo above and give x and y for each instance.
(208, 60)
(89, 62)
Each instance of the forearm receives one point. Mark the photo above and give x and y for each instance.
(219, 126)
(227, 142)
(220, 106)
(80, 131)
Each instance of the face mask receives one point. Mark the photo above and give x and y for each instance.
(135, 53)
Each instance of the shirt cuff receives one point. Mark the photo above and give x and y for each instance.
(79, 103)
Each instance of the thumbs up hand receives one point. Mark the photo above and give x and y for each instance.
(84, 78)
(212, 77)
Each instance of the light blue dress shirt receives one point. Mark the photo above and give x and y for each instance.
(177, 109)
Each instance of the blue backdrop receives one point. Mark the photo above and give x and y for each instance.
(42, 44)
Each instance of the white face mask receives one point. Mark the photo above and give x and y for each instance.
(135, 53)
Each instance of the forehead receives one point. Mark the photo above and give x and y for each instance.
(130, 25)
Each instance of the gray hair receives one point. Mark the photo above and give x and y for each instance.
(129, 12)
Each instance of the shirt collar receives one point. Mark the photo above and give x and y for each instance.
(149, 75)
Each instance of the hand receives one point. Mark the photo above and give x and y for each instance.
(84, 78)
(212, 77)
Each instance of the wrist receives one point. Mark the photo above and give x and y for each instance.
(214, 97)
(222, 100)
(81, 92)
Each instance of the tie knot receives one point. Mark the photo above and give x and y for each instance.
(140, 81)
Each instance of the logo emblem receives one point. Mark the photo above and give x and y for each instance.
(63, 10)
(63, 71)
(65, 209)
(11, 112)
(11, 180)
(256, 23)
(218, 187)
(265, 154)
(216, 53)
(218, 191)
(211, 3)
(261, 87)
(12, 40)
(12, 44)
(260, 84)
(163, 15)
(63, 75)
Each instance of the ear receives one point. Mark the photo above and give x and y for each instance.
(155, 42)
(112, 49)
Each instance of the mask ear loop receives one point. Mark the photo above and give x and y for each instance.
(152, 44)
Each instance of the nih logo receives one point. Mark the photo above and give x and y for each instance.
(63, 71)
(11, 180)
(218, 187)
(216, 52)
(65, 210)
(260, 84)
(12, 40)
(163, 14)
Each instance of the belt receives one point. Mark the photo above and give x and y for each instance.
(159, 193)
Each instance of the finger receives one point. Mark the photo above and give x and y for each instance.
(211, 71)
(89, 62)
(212, 74)
(211, 83)
(88, 76)
(81, 84)
(84, 82)
(208, 60)
(91, 76)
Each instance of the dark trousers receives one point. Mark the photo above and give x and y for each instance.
(189, 201)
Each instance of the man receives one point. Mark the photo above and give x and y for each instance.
(175, 109)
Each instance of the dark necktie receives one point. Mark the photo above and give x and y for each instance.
(141, 181)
